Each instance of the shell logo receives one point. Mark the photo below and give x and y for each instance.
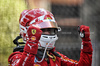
(37, 65)
(33, 38)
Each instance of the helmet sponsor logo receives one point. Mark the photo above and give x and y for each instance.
(33, 31)
(49, 18)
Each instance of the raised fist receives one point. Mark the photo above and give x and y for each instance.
(84, 32)
(34, 34)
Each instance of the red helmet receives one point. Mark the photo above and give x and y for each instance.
(39, 17)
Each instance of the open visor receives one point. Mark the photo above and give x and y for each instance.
(47, 24)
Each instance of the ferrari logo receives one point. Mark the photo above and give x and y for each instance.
(33, 31)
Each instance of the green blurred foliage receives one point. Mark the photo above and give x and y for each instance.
(9, 26)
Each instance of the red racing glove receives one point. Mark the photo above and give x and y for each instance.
(34, 34)
(84, 32)
(85, 35)
(33, 38)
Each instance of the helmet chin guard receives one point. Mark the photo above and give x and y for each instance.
(48, 44)
(45, 39)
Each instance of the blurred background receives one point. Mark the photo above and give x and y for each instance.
(68, 14)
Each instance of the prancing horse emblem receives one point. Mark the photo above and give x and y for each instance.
(33, 31)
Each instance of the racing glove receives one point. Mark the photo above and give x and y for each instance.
(84, 32)
(33, 36)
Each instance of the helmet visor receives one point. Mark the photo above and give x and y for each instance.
(49, 31)
(47, 24)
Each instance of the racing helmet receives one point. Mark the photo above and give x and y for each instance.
(42, 19)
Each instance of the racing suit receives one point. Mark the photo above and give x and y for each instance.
(29, 56)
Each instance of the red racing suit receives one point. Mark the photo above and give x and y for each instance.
(28, 56)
